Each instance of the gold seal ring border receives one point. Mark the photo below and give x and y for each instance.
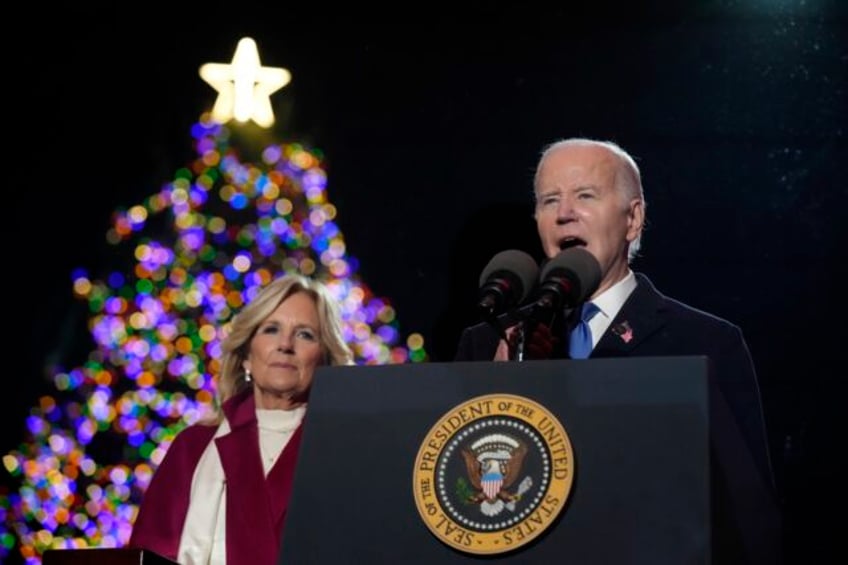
(487, 406)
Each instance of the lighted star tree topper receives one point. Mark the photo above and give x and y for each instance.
(244, 86)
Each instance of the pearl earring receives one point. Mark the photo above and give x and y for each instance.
(247, 376)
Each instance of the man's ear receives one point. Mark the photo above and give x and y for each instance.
(635, 218)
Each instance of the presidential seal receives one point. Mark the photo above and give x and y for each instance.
(493, 474)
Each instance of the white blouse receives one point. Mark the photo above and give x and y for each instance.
(204, 530)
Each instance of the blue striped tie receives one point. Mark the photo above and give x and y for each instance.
(580, 340)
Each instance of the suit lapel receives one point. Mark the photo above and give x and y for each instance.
(639, 317)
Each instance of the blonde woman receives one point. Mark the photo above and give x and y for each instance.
(220, 494)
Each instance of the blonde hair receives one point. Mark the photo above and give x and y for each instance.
(628, 179)
(235, 345)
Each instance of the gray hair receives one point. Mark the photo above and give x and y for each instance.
(628, 179)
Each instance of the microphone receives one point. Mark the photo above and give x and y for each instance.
(506, 281)
(568, 279)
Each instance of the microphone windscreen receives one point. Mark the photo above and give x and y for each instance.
(581, 269)
(516, 264)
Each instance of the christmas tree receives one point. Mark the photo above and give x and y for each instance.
(194, 252)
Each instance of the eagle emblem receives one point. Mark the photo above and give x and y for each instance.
(493, 464)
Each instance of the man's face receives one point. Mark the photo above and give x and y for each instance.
(578, 204)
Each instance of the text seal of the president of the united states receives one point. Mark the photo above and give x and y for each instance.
(493, 474)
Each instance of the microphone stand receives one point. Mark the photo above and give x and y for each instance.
(521, 315)
(518, 317)
(519, 342)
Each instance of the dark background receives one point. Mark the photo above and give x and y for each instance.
(431, 120)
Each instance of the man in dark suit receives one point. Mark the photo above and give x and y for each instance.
(589, 194)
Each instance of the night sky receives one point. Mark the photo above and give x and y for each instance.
(431, 122)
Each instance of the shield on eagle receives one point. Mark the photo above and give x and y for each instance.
(493, 464)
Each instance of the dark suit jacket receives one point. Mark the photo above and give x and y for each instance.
(650, 324)
(256, 504)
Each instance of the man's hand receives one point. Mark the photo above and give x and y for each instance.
(506, 348)
(540, 343)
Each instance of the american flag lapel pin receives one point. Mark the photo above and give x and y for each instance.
(624, 331)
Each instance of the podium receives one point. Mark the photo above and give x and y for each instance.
(103, 556)
(658, 470)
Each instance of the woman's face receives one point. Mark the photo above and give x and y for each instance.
(284, 352)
